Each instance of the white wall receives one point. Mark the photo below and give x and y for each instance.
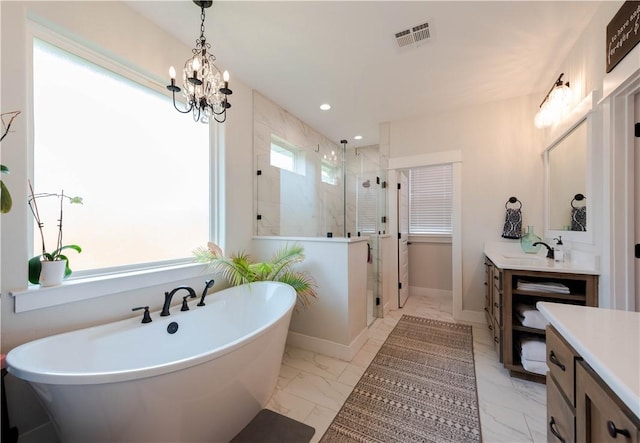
(501, 158)
(430, 265)
(502, 149)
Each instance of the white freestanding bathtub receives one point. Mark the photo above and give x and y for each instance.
(133, 382)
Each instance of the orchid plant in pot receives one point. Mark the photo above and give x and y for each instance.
(5, 196)
(39, 265)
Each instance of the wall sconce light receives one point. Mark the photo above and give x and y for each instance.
(555, 104)
(205, 88)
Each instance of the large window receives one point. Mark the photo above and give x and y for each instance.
(431, 200)
(141, 168)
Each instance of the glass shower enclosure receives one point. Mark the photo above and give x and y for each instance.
(325, 191)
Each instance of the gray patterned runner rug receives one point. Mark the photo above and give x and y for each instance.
(420, 387)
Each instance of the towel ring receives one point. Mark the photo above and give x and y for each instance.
(513, 200)
(578, 197)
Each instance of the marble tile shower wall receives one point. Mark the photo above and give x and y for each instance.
(291, 204)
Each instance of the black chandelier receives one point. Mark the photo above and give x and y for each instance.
(205, 88)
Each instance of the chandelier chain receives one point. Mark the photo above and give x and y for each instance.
(202, 24)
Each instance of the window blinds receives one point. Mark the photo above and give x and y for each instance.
(430, 200)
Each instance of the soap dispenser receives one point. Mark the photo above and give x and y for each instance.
(558, 254)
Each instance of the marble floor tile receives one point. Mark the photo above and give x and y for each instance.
(287, 373)
(290, 405)
(314, 387)
(314, 363)
(320, 419)
(537, 428)
(503, 425)
(328, 393)
(351, 375)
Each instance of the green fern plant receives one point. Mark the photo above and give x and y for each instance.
(239, 269)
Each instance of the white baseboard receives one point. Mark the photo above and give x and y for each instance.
(326, 347)
(430, 292)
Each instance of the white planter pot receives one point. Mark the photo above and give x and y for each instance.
(52, 272)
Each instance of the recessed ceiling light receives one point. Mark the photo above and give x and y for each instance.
(325, 106)
(357, 137)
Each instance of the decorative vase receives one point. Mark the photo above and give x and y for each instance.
(527, 241)
(52, 272)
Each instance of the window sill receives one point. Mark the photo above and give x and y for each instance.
(430, 238)
(37, 297)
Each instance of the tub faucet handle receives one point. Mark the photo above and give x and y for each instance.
(207, 285)
(146, 317)
(185, 305)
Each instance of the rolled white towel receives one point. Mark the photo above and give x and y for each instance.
(537, 367)
(531, 317)
(533, 349)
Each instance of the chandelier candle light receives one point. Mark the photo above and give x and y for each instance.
(205, 88)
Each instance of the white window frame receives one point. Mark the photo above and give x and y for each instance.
(280, 145)
(432, 236)
(125, 278)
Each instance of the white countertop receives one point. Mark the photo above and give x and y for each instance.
(608, 340)
(511, 256)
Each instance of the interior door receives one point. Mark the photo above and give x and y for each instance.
(403, 238)
(636, 199)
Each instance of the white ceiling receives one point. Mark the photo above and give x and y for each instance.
(301, 54)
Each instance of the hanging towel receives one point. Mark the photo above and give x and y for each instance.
(512, 220)
(512, 224)
(579, 219)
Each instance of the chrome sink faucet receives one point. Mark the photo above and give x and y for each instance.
(549, 248)
(169, 295)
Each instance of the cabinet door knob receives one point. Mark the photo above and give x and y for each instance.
(554, 431)
(495, 339)
(613, 431)
(553, 359)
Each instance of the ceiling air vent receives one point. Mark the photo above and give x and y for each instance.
(413, 35)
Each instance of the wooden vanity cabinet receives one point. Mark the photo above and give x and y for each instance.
(600, 415)
(561, 418)
(580, 406)
(502, 296)
(561, 412)
(493, 304)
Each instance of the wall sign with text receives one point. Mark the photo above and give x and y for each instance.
(623, 33)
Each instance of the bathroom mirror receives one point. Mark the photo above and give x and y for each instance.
(568, 194)
(568, 181)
